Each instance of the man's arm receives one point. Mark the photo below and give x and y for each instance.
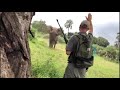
(89, 18)
(70, 45)
(91, 27)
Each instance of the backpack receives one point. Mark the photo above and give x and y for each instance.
(83, 55)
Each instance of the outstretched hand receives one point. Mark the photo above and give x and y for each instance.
(89, 18)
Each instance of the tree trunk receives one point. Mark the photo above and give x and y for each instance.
(68, 33)
(15, 61)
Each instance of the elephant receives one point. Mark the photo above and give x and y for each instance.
(53, 36)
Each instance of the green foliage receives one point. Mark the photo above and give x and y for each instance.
(117, 42)
(61, 39)
(35, 24)
(100, 41)
(110, 52)
(40, 26)
(47, 69)
(95, 40)
(46, 36)
(61, 35)
(118, 37)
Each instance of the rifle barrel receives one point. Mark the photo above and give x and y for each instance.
(62, 32)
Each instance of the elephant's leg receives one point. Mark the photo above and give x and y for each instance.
(50, 44)
(54, 45)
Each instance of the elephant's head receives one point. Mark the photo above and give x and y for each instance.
(59, 31)
(54, 30)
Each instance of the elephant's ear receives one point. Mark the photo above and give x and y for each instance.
(50, 28)
(59, 31)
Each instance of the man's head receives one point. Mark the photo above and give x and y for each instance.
(84, 26)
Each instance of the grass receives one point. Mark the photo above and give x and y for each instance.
(103, 69)
(51, 63)
(46, 62)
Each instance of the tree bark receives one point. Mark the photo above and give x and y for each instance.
(15, 60)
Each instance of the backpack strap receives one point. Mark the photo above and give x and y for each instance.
(78, 44)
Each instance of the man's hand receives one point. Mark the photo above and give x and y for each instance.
(68, 52)
(86, 69)
(89, 18)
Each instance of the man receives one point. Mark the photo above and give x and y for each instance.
(72, 71)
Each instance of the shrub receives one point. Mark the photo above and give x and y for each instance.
(61, 39)
(110, 52)
(47, 69)
(46, 36)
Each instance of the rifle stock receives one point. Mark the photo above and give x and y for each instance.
(66, 41)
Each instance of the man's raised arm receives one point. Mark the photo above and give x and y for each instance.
(89, 18)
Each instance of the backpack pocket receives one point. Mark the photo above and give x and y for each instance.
(83, 62)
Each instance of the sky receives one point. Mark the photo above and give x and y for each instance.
(99, 18)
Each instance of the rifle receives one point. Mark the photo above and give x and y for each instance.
(66, 41)
(31, 33)
(33, 13)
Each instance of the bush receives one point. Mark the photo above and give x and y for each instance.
(100, 41)
(61, 39)
(102, 52)
(99, 49)
(110, 52)
(40, 26)
(117, 57)
(46, 69)
(46, 36)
